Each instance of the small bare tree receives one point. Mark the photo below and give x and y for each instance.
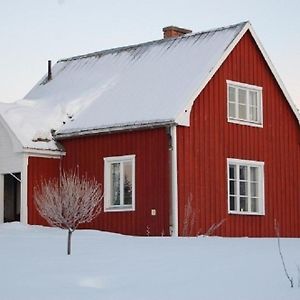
(189, 217)
(68, 201)
(214, 227)
(287, 275)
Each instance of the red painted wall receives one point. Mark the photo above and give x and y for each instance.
(152, 177)
(203, 149)
(39, 169)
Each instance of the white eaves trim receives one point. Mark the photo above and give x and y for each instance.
(44, 153)
(183, 117)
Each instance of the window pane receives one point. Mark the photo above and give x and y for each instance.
(242, 112)
(253, 174)
(254, 206)
(243, 204)
(242, 96)
(254, 189)
(232, 203)
(115, 184)
(253, 98)
(231, 94)
(243, 188)
(232, 174)
(127, 166)
(232, 113)
(253, 114)
(243, 173)
(232, 187)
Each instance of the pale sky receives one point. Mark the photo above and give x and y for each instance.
(33, 31)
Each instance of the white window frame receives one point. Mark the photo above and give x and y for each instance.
(247, 88)
(107, 183)
(261, 192)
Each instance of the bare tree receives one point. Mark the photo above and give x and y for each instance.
(68, 201)
(214, 227)
(189, 217)
(277, 231)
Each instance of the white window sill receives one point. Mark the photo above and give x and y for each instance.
(243, 122)
(118, 208)
(246, 213)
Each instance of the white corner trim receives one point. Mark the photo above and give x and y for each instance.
(23, 200)
(174, 182)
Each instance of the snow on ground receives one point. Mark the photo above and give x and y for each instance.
(34, 265)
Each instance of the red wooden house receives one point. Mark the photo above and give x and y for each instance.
(183, 133)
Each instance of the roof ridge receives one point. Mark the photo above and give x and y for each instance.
(129, 47)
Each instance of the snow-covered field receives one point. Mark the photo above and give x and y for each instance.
(34, 265)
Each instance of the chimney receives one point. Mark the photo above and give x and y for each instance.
(173, 31)
(49, 77)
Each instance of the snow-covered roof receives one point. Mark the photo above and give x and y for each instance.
(152, 83)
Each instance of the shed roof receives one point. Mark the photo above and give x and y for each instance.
(153, 83)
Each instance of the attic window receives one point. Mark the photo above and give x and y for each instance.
(244, 102)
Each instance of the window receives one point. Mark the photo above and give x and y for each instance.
(119, 183)
(244, 103)
(245, 187)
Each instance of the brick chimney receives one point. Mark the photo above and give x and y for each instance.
(173, 31)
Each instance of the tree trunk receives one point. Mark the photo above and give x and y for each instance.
(69, 240)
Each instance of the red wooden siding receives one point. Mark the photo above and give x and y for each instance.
(152, 177)
(203, 149)
(39, 169)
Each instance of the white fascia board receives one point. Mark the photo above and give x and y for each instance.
(44, 153)
(174, 183)
(184, 117)
(23, 200)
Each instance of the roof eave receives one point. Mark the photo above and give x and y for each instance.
(113, 129)
(44, 152)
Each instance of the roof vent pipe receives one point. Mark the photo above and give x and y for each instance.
(49, 77)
